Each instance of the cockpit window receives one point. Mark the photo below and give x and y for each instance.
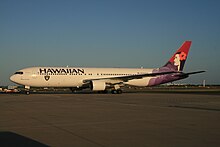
(19, 73)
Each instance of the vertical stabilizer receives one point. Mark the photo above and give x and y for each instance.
(178, 60)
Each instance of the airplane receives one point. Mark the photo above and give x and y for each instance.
(104, 79)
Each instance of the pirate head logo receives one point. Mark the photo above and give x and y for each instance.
(46, 77)
(179, 60)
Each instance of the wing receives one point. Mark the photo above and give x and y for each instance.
(130, 77)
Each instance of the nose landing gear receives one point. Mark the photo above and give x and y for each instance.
(27, 90)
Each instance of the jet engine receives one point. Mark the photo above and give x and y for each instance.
(98, 85)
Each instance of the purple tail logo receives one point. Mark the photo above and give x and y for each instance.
(178, 60)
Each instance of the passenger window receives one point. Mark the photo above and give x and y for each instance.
(19, 73)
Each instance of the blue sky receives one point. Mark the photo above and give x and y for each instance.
(109, 33)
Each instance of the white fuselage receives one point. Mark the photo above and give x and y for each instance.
(74, 76)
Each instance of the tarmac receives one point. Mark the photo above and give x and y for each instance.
(110, 120)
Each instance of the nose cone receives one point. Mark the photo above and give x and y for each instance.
(13, 78)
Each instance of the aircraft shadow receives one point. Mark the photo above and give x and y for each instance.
(10, 139)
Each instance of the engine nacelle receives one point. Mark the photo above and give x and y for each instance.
(98, 85)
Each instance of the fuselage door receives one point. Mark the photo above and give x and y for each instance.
(34, 74)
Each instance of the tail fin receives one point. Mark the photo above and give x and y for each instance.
(178, 60)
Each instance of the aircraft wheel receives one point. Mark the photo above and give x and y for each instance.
(113, 91)
(119, 91)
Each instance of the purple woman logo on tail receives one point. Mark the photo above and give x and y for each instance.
(179, 60)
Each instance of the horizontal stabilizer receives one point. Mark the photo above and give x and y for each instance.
(196, 72)
(185, 75)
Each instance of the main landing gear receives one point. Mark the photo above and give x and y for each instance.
(118, 91)
(113, 91)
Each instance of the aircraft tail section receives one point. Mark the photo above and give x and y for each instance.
(175, 64)
(177, 61)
